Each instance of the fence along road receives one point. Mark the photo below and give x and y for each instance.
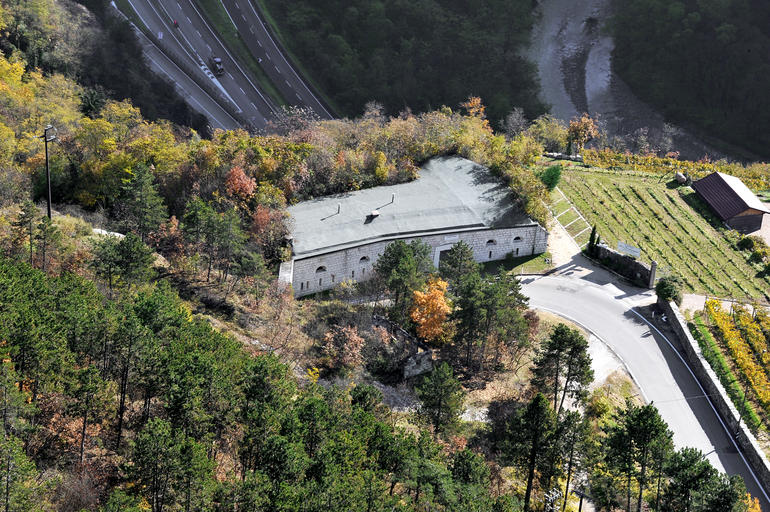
(659, 371)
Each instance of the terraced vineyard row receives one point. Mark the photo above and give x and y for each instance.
(641, 211)
(747, 353)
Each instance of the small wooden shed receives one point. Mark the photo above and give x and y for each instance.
(732, 201)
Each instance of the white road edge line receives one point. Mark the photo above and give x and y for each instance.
(625, 366)
(729, 434)
(205, 23)
(180, 69)
(256, 14)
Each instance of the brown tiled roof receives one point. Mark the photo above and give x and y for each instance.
(727, 195)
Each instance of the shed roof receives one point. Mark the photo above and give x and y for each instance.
(451, 194)
(727, 195)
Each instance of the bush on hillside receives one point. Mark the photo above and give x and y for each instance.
(670, 288)
(551, 176)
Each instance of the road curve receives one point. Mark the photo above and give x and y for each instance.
(660, 373)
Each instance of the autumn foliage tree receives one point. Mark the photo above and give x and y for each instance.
(342, 345)
(581, 131)
(431, 309)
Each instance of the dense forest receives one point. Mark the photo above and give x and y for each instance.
(163, 367)
(95, 48)
(414, 54)
(705, 63)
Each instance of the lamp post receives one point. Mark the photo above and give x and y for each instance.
(48, 139)
(581, 494)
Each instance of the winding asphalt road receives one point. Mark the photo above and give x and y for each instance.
(664, 379)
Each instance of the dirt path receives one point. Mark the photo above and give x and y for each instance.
(573, 56)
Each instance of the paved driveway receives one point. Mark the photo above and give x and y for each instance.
(607, 309)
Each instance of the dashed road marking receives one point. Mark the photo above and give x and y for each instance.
(242, 91)
(189, 20)
(287, 83)
(259, 42)
(276, 68)
(209, 47)
(237, 6)
(251, 29)
(298, 96)
(244, 18)
(199, 34)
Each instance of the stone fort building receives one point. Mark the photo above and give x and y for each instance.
(338, 238)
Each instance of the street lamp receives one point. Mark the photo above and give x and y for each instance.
(46, 138)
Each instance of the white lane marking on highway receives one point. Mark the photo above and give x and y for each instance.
(729, 434)
(253, 105)
(268, 56)
(237, 6)
(199, 33)
(244, 18)
(216, 38)
(209, 47)
(298, 96)
(291, 68)
(242, 91)
(259, 42)
(211, 116)
(179, 5)
(230, 75)
(287, 83)
(276, 68)
(189, 20)
(251, 29)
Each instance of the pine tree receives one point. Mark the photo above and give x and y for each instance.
(140, 208)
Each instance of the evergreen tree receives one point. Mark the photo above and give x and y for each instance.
(48, 237)
(23, 226)
(140, 207)
(457, 263)
(441, 396)
(563, 366)
(529, 441)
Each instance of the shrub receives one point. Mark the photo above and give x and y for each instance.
(551, 176)
(670, 288)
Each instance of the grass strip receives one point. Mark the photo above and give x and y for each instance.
(216, 15)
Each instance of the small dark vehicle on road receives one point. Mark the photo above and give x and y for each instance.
(216, 66)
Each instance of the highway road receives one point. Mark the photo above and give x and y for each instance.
(660, 373)
(199, 99)
(246, 18)
(195, 40)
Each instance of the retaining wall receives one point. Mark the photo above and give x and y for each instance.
(629, 267)
(713, 387)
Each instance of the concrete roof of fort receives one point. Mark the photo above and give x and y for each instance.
(452, 194)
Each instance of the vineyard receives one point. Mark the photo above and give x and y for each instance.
(671, 226)
(739, 355)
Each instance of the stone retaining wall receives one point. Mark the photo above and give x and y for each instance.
(629, 267)
(713, 387)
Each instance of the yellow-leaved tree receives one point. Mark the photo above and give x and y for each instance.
(431, 309)
(752, 504)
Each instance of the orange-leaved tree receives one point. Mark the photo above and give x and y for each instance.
(581, 131)
(431, 309)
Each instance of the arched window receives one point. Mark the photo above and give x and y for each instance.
(491, 242)
(364, 260)
(517, 239)
(320, 269)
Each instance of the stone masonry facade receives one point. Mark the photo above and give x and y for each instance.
(325, 271)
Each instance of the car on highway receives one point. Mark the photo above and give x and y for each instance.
(216, 66)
